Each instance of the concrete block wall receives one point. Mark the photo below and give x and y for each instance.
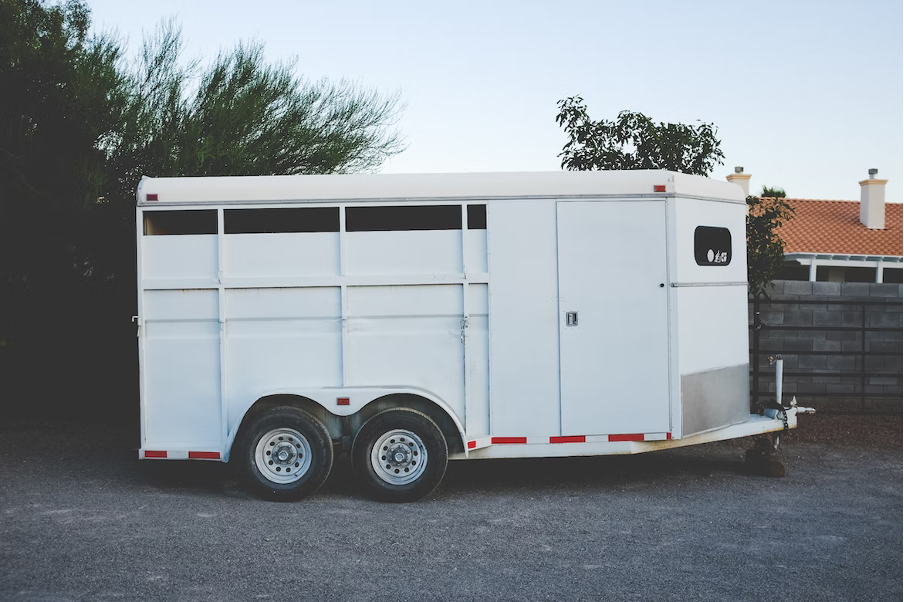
(832, 381)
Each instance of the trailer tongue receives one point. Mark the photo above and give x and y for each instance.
(774, 420)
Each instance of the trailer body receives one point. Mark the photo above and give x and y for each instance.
(530, 314)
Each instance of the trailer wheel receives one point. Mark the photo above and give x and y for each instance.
(286, 454)
(400, 456)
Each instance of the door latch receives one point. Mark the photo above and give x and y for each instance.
(571, 318)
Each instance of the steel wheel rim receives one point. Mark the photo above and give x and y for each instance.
(283, 455)
(399, 457)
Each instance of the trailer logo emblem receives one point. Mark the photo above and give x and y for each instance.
(716, 257)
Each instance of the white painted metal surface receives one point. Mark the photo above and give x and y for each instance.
(394, 187)
(710, 304)
(467, 316)
(180, 336)
(612, 270)
(282, 255)
(524, 326)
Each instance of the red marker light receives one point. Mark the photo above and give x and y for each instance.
(342, 401)
(656, 188)
(151, 197)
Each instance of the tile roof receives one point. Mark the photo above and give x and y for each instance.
(834, 227)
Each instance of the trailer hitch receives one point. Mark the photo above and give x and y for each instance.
(776, 408)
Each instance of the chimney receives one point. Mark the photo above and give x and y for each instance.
(741, 179)
(872, 201)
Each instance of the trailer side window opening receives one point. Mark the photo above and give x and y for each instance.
(274, 221)
(477, 217)
(168, 223)
(418, 217)
(712, 246)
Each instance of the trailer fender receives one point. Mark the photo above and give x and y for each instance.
(341, 402)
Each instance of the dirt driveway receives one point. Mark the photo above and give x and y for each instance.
(82, 519)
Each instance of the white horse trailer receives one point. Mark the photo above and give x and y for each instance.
(412, 319)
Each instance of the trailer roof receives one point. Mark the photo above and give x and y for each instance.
(401, 187)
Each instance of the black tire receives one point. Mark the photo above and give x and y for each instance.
(314, 454)
(428, 442)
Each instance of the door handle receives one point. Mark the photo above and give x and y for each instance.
(571, 318)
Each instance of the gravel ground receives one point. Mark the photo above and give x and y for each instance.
(82, 519)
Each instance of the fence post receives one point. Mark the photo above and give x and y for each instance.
(756, 352)
(862, 357)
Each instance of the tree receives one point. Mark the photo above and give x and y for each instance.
(242, 116)
(61, 92)
(237, 116)
(79, 126)
(765, 248)
(634, 141)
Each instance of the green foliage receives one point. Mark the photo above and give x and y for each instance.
(634, 141)
(237, 116)
(61, 90)
(765, 249)
(246, 117)
(773, 192)
(79, 126)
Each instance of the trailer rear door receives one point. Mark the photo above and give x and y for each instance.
(613, 329)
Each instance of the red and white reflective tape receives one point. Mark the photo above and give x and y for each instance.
(473, 444)
(202, 455)
(570, 439)
(180, 455)
(507, 440)
(487, 441)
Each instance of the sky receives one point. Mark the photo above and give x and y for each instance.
(807, 96)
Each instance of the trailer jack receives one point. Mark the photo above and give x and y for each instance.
(762, 459)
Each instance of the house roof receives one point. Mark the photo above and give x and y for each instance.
(820, 226)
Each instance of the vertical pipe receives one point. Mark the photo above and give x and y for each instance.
(779, 369)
